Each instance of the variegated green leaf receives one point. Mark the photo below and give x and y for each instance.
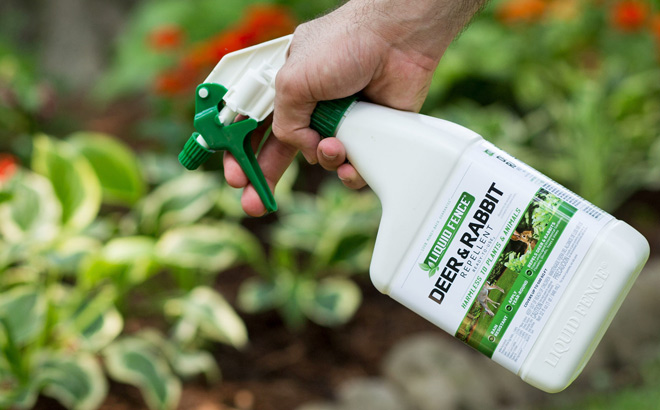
(333, 301)
(90, 320)
(186, 363)
(74, 181)
(103, 330)
(210, 248)
(137, 362)
(126, 261)
(129, 249)
(115, 165)
(34, 213)
(23, 310)
(75, 381)
(183, 200)
(67, 255)
(257, 295)
(204, 313)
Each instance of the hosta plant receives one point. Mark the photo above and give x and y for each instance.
(79, 235)
(318, 242)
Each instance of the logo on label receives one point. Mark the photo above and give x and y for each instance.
(447, 233)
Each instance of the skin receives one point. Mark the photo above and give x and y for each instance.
(385, 49)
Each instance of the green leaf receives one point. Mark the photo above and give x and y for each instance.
(103, 330)
(136, 361)
(18, 393)
(186, 363)
(115, 166)
(334, 301)
(11, 360)
(75, 381)
(210, 248)
(127, 261)
(5, 196)
(204, 313)
(424, 267)
(352, 245)
(73, 178)
(68, 255)
(129, 249)
(23, 309)
(91, 319)
(257, 295)
(183, 200)
(33, 214)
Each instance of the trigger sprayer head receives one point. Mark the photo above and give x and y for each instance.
(242, 83)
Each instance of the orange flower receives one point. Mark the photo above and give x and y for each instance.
(629, 15)
(655, 31)
(655, 27)
(165, 38)
(8, 167)
(521, 11)
(565, 10)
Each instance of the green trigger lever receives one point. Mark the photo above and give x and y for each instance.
(213, 135)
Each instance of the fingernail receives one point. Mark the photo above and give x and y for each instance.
(311, 159)
(328, 157)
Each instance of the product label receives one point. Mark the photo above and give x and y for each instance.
(496, 253)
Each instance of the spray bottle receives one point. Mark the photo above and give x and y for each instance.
(472, 239)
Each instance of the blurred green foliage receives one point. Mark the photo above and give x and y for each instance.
(70, 271)
(572, 95)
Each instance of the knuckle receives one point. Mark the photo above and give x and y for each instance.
(281, 133)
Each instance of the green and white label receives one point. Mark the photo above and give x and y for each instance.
(496, 253)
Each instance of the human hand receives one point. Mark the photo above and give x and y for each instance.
(386, 49)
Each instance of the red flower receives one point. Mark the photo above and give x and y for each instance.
(629, 15)
(165, 38)
(8, 167)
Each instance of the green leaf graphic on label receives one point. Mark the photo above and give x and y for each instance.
(431, 268)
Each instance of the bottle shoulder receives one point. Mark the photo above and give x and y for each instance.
(406, 158)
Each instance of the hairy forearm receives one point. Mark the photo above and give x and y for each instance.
(427, 26)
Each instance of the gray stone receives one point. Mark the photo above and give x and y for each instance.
(437, 372)
(318, 406)
(371, 394)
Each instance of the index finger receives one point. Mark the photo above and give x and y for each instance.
(293, 110)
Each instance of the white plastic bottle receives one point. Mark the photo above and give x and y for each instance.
(472, 239)
(484, 246)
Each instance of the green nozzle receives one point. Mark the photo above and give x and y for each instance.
(194, 153)
(234, 137)
(213, 135)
